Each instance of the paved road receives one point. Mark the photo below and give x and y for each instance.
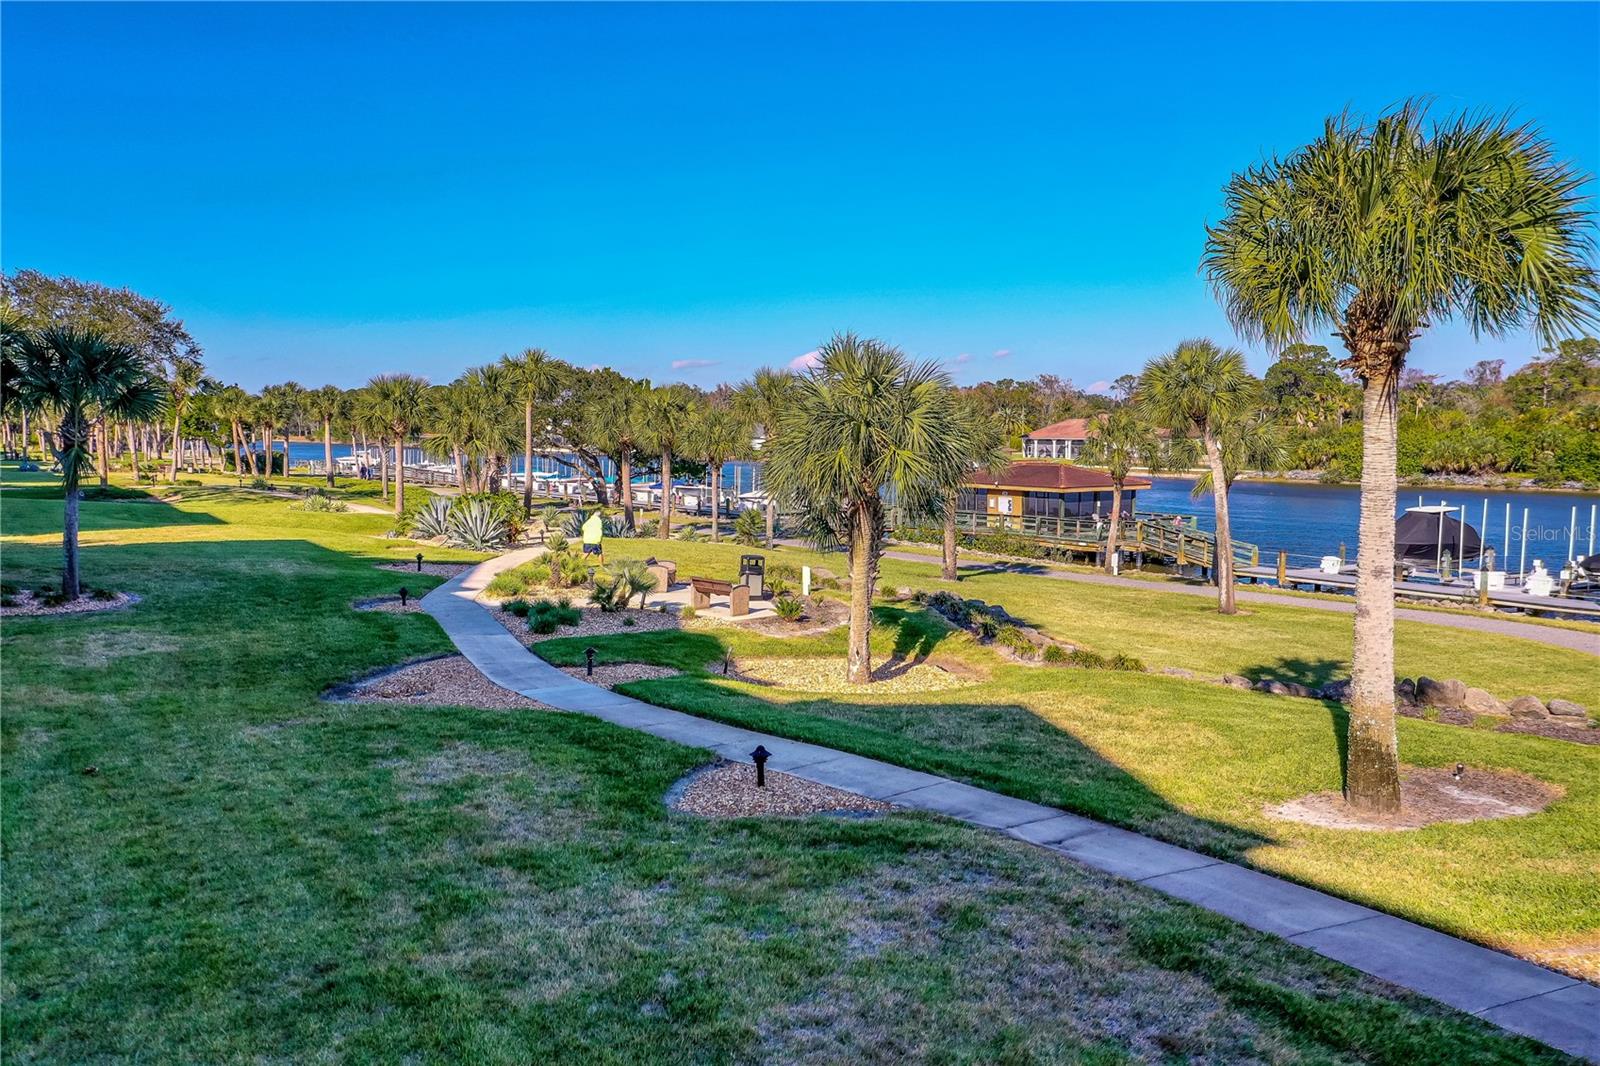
(1574, 639)
(1510, 992)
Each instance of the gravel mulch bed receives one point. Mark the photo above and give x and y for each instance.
(450, 681)
(613, 674)
(1430, 797)
(27, 605)
(388, 604)
(436, 569)
(728, 790)
(596, 623)
(1579, 732)
(827, 674)
(821, 616)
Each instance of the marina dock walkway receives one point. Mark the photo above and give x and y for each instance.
(1509, 992)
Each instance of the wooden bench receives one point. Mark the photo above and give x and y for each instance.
(707, 587)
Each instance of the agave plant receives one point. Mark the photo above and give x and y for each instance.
(433, 520)
(475, 526)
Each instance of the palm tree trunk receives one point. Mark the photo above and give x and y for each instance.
(862, 570)
(666, 496)
(949, 571)
(716, 501)
(1372, 751)
(69, 545)
(327, 450)
(266, 451)
(383, 467)
(625, 472)
(527, 458)
(461, 469)
(177, 423)
(133, 452)
(1223, 570)
(24, 436)
(772, 518)
(399, 474)
(1116, 524)
(103, 460)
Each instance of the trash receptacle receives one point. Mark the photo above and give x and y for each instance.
(753, 574)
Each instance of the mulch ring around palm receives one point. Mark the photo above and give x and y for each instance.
(1430, 796)
(28, 603)
(729, 790)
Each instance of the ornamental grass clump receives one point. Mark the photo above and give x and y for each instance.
(789, 608)
(544, 616)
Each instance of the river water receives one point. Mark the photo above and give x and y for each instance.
(1305, 519)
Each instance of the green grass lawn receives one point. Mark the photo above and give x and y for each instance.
(205, 862)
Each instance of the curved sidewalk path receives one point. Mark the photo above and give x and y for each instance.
(1574, 639)
(1507, 991)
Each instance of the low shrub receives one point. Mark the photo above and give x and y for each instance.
(789, 608)
(688, 612)
(1010, 636)
(1120, 661)
(627, 621)
(556, 542)
(8, 589)
(778, 586)
(615, 585)
(102, 595)
(516, 607)
(1054, 653)
(544, 616)
(322, 503)
(750, 527)
(259, 482)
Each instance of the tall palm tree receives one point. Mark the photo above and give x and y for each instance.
(326, 404)
(233, 406)
(1193, 390)
(663, 424)
(761, 401)
(1376, 231)
(866, 420)
(611, 422)
(1123, 441)
(188, 375)
(985, 439)
(717, 436)
(399, 403)
(368, 417)
(76, 376)
(535, 375)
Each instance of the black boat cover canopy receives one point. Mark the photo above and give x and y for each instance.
(1419, 532)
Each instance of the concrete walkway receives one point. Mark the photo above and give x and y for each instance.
(1510, 992)
(1576, 640)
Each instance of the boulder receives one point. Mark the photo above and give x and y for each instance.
(1334, 690)
(1295, 688)
(1568, 709)
(1527, 707)
(1479, 701)
(1176, 671)
(1235, 681)
(1273, 686)
(1406, 689)
(1445, 695)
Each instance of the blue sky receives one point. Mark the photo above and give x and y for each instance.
(687, 192)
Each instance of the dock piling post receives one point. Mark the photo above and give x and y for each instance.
(1283, 568)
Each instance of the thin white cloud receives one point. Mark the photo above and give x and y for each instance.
(1099, 388)
(807, 361)
(692, 364)
(1002, 353)
(964, 357)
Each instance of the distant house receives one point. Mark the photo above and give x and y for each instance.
(1045, 490)
(1059, 440)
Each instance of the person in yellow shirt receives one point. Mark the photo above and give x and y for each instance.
(594, 529)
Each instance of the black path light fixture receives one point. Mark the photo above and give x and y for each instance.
(588, 661)
(404, 594)
(419, 562)
(761, 755)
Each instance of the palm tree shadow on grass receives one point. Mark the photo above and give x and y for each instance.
(1313, 673)
(1005, 747)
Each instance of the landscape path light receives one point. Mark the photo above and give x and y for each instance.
(588, 661)
(761, 755)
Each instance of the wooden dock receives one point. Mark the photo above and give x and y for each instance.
(1461, 592)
